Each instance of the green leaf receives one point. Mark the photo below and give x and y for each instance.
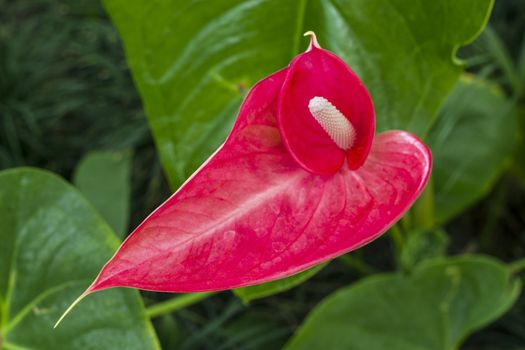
(53, 244)
(471, 143)
(423, 245)
(194, 61)
(248, 294)
(435, 308)
(104, 179)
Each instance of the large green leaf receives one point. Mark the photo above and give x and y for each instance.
(53, 244)
(435, 308)
(250, 293)
(103, 177)
(194, 60)
(473, 138)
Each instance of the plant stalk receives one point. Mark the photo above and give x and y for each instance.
(423, 211)
(517, 266)
(356, 264)
(176, 303)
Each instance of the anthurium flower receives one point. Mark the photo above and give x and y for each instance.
(300, 180)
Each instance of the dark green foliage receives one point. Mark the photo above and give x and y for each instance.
(104, 179)
(65, 90)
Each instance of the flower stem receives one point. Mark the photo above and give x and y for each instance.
(423, 210)
(397, 237)
(518, 266)
(176, 303)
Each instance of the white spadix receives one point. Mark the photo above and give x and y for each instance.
(333, 122)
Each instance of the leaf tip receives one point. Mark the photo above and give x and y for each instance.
(68, 310)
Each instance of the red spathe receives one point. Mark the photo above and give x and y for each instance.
(320, 73)
(252, 213)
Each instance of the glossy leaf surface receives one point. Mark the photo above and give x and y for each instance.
(435, 308)
(251, 214)
(104, 178)
(52, 245)
(193, 61)
(471, 142)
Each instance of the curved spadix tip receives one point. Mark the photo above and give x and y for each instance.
(313, 40)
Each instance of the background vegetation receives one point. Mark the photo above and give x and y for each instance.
(66, 92)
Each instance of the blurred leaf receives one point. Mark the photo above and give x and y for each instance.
(521, 66)
(436, 307)
(104, 179)
(471, 141)
(518, 165)
(200, 338)
(248, 294)
(254, 331)
(170, 335)
(64, 86)
(492, 46)
(423, 245)
(194, 61)
(52, 246)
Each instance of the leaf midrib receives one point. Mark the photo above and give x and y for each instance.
(274, 190)
(11, 277)
(43, 295)
(8, 323)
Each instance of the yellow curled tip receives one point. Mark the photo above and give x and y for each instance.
(313, 40)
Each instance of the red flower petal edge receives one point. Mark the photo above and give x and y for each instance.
(252, 213)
